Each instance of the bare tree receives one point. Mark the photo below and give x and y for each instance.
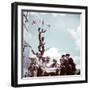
(41, 38)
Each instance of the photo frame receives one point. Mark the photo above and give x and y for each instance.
(49, 44)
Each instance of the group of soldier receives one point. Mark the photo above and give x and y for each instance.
(66, 66)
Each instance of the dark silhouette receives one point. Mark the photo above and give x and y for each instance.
(62, 65)
(67, 66)
(71, 65)
(54, 63)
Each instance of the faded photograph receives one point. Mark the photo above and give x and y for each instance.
(51, 44)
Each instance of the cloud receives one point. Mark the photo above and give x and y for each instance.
(76, 36)
(53, 53)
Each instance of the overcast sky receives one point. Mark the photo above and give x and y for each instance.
(62, 35)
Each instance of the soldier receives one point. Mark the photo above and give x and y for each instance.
(62, 65)
(33, 68)
(72, 65)
(54, 63)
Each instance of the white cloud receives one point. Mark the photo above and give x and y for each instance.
(76, 36)
(53, 53)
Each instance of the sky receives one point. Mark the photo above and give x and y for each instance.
(63, 35)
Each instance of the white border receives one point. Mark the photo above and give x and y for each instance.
(58, 78)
